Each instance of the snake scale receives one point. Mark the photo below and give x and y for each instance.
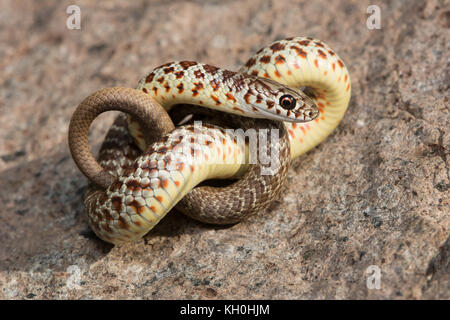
(140, 177)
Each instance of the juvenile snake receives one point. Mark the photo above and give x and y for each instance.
(157, 180)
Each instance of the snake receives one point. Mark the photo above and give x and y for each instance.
(299, 82)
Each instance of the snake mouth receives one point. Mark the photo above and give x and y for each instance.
(305, 115)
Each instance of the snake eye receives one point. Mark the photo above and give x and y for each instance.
(287, 102)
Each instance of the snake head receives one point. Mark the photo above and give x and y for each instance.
(276, 101)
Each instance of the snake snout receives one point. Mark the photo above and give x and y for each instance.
(308, 111)
(311, 114)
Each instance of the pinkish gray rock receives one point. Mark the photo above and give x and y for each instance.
(375, 193)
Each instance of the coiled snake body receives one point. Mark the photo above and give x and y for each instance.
(142, 188)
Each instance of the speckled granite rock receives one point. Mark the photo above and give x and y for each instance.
(375, 193)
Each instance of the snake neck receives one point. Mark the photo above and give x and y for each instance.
(306, 62)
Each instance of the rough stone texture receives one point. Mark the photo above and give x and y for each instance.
(375, 193)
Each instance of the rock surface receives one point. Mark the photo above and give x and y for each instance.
(375, 193)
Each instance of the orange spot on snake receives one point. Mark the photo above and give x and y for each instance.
(265, 59)
(280, 59)
(216, 99)
(277, 46)
(247, 98)
(259, 98)
(322, 54)
(304, 43)
(215, 84)
(300, 52)
(179, 74)
(149, 77)
(198, 74)
(318, 44)
(168, 70)
(187, 64)
(198, 85)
